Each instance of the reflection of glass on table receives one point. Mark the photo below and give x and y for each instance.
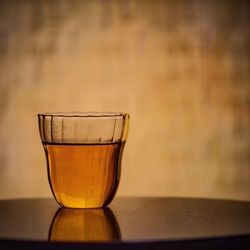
(84, 225)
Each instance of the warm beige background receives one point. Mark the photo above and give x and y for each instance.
(180, 68)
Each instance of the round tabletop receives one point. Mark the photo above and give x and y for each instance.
(128, 222)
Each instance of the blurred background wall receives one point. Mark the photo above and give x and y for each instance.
(180, 68)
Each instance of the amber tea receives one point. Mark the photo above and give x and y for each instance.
(84, 175)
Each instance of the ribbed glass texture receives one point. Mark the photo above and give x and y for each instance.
(83, 152)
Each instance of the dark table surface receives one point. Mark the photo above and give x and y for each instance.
(130, 223)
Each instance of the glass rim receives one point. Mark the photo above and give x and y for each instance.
(84, 114)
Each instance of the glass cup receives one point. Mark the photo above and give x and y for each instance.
(83, 153)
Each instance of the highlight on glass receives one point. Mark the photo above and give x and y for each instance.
(83, 153)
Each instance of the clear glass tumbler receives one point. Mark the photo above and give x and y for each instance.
(83, 153)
